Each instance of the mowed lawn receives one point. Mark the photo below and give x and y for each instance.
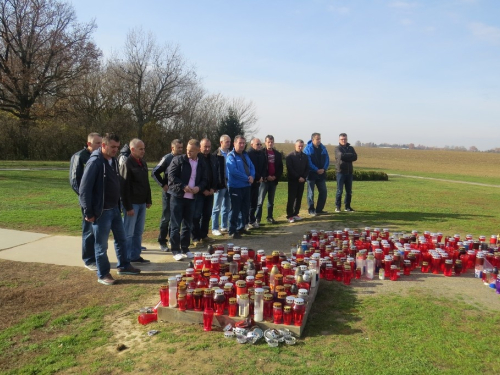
(62, 321)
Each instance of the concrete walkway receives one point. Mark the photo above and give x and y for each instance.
(66, 250)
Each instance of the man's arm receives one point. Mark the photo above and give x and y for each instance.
(76, 168)
(126, 184)
(86, 188)
(160, 168)
(350, 156)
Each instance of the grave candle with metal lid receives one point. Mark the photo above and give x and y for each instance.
(243, 306)
(208, 301)
(277, 313)
(299, 310)
(164, 295)
(232, 307)
(219, 301)
(287, 315)
(268, 306)
(259, 305)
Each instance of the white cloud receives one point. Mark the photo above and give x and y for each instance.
(406, 22)
(339, 9)
(404, 5)
(485, 32)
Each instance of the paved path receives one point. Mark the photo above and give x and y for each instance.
(444, 180)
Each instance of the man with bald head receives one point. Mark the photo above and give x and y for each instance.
(136, 198)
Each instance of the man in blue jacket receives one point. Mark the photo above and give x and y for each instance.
(187, 176)
(318, 165)
(240, 176)
(76, 168)
(100, 200)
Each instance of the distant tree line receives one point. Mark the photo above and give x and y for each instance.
(412, 146)
(55, 88)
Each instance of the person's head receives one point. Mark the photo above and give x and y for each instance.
(94, 141)
(137, 148)
(225, 142)
(177, 147)
(206, 146)
(192, 149)
(239, 144)
(110, 145)
(299, 145)
(269, 142)
(256, 144)
(343, 139)
(316, 139)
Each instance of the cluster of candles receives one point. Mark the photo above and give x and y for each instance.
(349, 254)
(243, 283)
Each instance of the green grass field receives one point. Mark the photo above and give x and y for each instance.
(361, 329)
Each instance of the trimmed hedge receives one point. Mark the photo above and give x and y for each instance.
(358, 175)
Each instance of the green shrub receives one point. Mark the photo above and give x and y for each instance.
(358, 175)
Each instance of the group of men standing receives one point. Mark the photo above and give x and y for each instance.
(227, 187)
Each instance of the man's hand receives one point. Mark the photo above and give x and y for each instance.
(321, 171)
(250, 179)
(271, 178)
(206, 193)
(90, 219)
(131, 212)
(195, 190)
(301, 179)
(165, 188)
(148, 205)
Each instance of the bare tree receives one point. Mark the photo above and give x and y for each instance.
(246, 113)
(43, 49)
(155, 78)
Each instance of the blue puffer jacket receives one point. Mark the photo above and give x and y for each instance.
(314, 162)
(236, 175)
(93, 184)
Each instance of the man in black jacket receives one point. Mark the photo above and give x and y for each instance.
(186, 178)
(136, 198)
(205, 200)
(100, 200)
(344, 156)
(297, 166)
(274, 165)
(177, 149)
(76, 168)
(259, 162)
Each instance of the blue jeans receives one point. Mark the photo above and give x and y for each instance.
(165, 218)
(88, 252)
(321, 184)
(110, 220)
(270, 189)
(240, 204)
(222, 206)
(344, 180)
(201, 217)
(134, 227)
(181, 214)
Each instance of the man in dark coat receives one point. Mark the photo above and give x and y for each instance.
(297, 166)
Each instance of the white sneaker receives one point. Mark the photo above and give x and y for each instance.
(223, 230)
(91, 267)
(216, 232)
(164, 248)
(248, 227)
(297, 218)
(189, 255)
(291, 220)
(178, 256)
(254, 225)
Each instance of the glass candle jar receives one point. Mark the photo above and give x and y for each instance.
(243, 306)
(181, 302)
(407, 267)
(394, 272)
(287, 315)
(197, 300)
(164, 295)
(232, 307)
(268, 306)
(259, 305)
(208, 301)
(448, 267)
(219, 301)
(425, 267)
(190, 299)
(277, 313)
(347, 275)
(458, 267)
(208, 316)
(299, 309)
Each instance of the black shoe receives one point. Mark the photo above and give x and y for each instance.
(143, 248)
(140, 260)
(129, 270)
(235, 235)
(349, 209)
(322, 212)
(270, 220)
(243, 231)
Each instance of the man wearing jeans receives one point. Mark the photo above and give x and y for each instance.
(187, 176)
(344, 156)
(77, 166)
(100, 200)
(260, 164)
(136, 198)
(222, 202)
(319, 161)
(274, 170)
(176, 149)
(240, 176)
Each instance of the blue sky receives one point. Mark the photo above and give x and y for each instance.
(423, 72)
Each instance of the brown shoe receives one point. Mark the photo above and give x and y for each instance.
(129, 270)
(106, 280)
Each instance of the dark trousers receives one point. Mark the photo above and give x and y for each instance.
(240, 204)
(181, 223)
(254, 197)
(165, 218)
(88, 240)
(295, 193)
(344, 180)
(202, 215)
